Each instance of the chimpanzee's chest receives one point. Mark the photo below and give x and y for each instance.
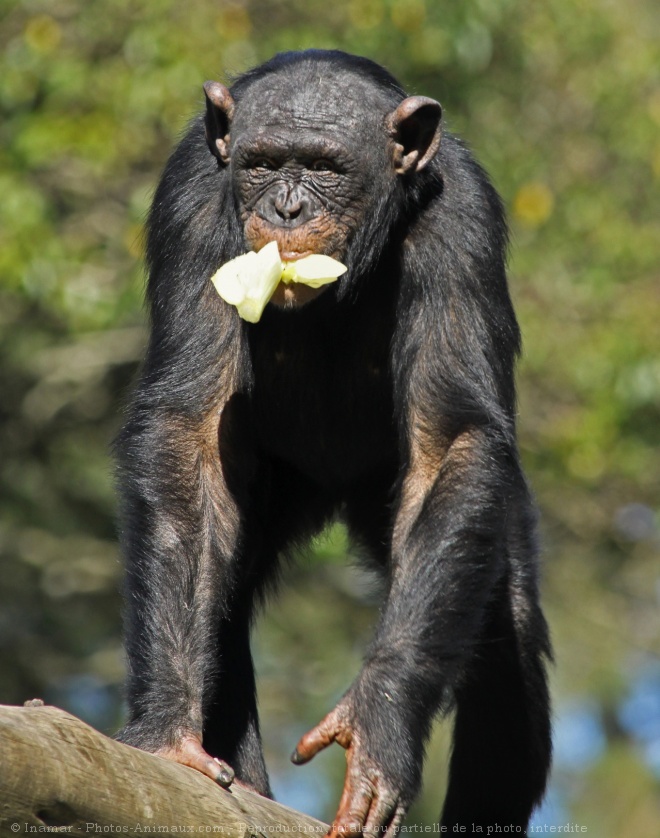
(322, 398)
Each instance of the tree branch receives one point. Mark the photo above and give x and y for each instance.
(59, 774)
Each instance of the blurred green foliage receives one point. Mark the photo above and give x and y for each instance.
(561, 102)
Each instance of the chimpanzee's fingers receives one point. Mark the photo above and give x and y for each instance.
(382, 814)
(395, 823)
(353, 810)
(319, 737)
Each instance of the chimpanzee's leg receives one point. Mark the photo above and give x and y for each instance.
(502, 748)
(185, 478)
(231, 724)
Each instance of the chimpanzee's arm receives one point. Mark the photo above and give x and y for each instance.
(180, 523)
(453, 356)
(447, 556)
(178, 554)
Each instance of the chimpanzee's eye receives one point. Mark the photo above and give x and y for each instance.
(262, 163)
(322, 165)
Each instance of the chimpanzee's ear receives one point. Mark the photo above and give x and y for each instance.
(219, 113)
(415, 128)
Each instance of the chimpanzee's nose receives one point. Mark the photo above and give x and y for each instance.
(288, 205)
(287, 208)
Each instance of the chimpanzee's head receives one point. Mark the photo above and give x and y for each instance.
(315, 155)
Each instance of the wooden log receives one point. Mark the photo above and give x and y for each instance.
(57, 774)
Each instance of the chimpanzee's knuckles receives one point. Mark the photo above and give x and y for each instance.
(381, 813)
(371, 809)
(390, 765)
(395, 822)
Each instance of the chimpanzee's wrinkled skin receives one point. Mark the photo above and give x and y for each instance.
(386, 397)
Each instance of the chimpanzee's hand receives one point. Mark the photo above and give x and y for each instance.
(373, 801)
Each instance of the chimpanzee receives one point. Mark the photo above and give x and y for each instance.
(386, 397)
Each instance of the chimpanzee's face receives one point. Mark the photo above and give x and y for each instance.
(304, 164)
(300, 186)
(312, 156)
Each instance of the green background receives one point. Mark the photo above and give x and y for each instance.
(561, 102)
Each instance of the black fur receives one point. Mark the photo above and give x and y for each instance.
(244, 439)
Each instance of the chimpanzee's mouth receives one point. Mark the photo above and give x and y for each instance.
(294, 255)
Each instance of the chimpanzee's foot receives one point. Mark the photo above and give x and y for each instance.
(189, 751)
